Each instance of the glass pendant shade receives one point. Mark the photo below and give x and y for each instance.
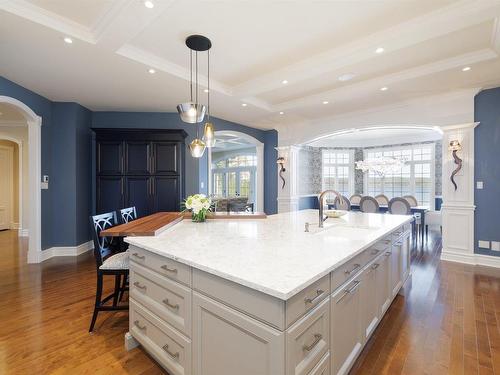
(209, 135)
(191, 113)
(197, 148)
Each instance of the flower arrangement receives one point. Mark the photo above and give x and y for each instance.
(199, 204)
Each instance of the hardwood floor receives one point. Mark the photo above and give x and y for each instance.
(448, 324)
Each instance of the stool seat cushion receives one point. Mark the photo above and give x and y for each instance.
(118, 261)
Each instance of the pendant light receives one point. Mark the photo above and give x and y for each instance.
(209, 132)
(193, 112)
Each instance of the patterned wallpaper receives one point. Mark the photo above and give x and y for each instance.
(309, 180)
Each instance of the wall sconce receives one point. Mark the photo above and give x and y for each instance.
(281, 162)
(455, 146)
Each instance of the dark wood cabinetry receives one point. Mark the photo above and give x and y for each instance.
(141, 168)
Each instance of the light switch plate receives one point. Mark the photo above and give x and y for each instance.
(202, 185)
(479, 185)
(484, 244)
(495, 245)
(44, 185)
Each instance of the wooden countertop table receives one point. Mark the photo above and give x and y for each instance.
(154, 224)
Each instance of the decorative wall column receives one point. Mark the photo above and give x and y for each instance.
(288, 199)
(458, 205)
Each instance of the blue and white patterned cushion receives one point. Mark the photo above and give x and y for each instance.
(116, 262)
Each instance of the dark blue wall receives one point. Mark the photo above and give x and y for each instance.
(196, 169)
(487, 167)
(43, 108)
(306, 203)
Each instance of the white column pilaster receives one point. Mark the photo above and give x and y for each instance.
(288, 199)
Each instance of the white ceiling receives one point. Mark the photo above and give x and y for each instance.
(378, 137)
(256, 45)
(230, 142)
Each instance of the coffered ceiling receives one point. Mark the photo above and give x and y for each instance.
(283, 59)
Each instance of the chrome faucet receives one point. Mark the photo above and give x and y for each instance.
(322, 218)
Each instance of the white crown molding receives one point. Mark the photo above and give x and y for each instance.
(495, 35)
(166, 66)
(374, 84)
(457, 16)
(49, 19)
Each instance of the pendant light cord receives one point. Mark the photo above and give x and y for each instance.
(191, 73)
(208, 85)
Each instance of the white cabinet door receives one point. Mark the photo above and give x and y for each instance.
(369, 308)
(346, 336)
(226, 342)
(384, 290)
(395, 268)
(405, 257)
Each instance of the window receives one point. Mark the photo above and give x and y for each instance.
(338, 171)
(415, 178)
(235, 176)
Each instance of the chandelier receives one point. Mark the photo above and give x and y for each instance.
(382, 165)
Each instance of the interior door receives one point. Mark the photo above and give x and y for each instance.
(6, 186)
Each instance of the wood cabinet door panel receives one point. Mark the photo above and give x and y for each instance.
(109, 157)
(109, 193)
(166, 159)
(138, 157)
(227, 342)
(138, 194)
(369, 304)
(165, 194)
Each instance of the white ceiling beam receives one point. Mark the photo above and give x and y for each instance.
(49, 19)
(160, 64)
(495, 36)
(374, 84)
(457, 16)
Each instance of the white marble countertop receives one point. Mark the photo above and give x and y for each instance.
(274, 255)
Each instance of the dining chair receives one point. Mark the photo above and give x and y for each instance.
(355, 198)
(411, 200)
(382, 200)
(369, 205)
(108, 263)
(399, 206)
(346, 206)
(128, 214)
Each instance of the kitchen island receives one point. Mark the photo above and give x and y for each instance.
(265, 297)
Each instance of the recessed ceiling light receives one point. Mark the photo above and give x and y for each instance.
(151, 71)
(466, 69)
(284, 82)
(68, 40)
(326, 102)
(244, 104)
(281, 113)
(384, 88)
(149, 4)
(380, 50)
(206, 90)
(346, 77)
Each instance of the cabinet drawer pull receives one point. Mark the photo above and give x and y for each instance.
(173, 307)
(319, 293)
(356, 266)
(387, 242)
(375, 266)
(173, 355)
(399, 243)
(138, 285)
(348, 291)
(166, 268)
(138, 325)
(139, 256)
(317, 339)
(388, 253)
(375, 252)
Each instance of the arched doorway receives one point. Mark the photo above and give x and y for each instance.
(34, 123)
(237, 143)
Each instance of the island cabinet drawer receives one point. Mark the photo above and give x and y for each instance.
(348, 270)
(164, 266)
(400, 231)
(169, 347)
(307, 299)
(308, 340)
(169, 300)
(323, 367)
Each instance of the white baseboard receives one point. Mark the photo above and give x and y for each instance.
(22, 232)
(60, 251)
(473, 259)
